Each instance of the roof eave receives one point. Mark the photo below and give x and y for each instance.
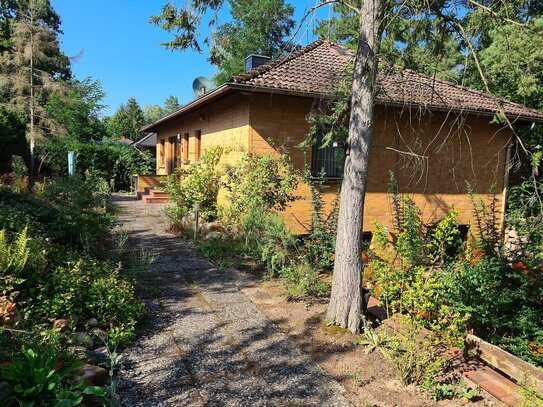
(215, 93)
(220, 91)
(514, 118)
(229, 86)
(278, 91)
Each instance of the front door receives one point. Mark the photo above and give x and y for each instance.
(173, 154)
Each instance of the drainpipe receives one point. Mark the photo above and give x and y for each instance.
(505, 187)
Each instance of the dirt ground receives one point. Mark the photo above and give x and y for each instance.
(368, 379)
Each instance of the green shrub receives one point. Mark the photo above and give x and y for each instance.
(407, 276)
(199, 182)
(13, 261)
(86, 194)
(303, 281)
(503, 300)
(429, 275)
(20, 171)
(415, 355)
(319, 245)
(256, 189)
(70, 212)
(261, 181)
(266, 238)
(115, 163)
(87, 288)
(45, 282)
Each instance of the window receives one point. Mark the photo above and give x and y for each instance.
(185, 147)
(366, 238)
(464, 232)
(197, 145)
(171, 155)
(328, 159)
(162, 149)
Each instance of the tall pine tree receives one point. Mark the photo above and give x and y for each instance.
(127, 121)
(31, 69)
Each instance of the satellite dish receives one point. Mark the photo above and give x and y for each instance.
(201, 86)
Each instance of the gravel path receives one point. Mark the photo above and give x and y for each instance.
(206, 343)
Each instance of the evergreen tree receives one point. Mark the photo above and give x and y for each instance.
(30, 69)
(10, 10)
(127, 121)
(414, 38)
(171, 104)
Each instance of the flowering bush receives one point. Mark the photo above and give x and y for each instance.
(503, 298)
(428, 274)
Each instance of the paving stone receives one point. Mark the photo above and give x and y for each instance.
(206, 343)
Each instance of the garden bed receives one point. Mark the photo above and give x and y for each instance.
(368, 379)
(66, 295)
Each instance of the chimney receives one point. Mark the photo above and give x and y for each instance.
(254, 61)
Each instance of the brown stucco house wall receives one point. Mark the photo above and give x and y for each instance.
(434, 135)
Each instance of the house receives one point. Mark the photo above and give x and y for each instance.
(146, 143)
(434, 135)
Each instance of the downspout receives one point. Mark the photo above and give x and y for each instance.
(505, 187)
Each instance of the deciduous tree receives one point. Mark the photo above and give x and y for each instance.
(258, 27)
(79, 111)
(374, 17)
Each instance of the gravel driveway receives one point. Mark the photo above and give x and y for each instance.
(206, 343)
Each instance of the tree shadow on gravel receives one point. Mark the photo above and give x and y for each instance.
(195, 350)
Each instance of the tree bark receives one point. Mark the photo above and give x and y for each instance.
(32, 126)
(345, 306)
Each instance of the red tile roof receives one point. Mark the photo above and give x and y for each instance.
(318, 67)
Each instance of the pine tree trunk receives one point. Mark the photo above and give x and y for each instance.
(31, 101)
(346, 300)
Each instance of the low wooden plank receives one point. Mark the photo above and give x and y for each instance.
(509, 364)
(150, 181)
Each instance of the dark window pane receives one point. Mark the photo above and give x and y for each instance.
(329, 159)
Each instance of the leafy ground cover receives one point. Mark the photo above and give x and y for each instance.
(63, 290)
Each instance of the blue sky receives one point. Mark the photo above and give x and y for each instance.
(122, 50)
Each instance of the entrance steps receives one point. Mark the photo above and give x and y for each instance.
(153, 196)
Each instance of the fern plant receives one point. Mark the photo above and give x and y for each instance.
(13, 259)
